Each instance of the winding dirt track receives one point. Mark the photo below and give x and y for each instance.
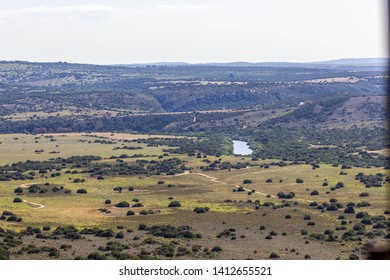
(32, 204)
(214, 179)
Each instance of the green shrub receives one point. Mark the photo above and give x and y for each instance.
(96, 256)
(18, 190)
(216, 249)
(81, 191)
(349, 210)
(122, 204)
(130, 213)
(353, 257)
(137, 205)
(174, 203)
(142, 227)
(274, 256)
(17, 200)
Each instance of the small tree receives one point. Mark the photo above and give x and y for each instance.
(130, 213)
(17, 200)
(122, 204)
(174, 203)
(18, 190)
(349, 210)
(82, 191)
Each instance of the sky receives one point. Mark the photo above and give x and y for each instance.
(195, 31)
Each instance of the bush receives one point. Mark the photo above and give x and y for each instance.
(332, 207)
(363, 194)
(366, 221)
(216, 249)
(353, 257)
(269, 180)
(96, 256)
(18, 190)
(247, 181)
(174, 203)
(130, 213)
(315, 192)
(122, 204)
(240, 189)
(349, 210)
(287, 217)
(4, 253)
(361, 215)
(119, 235)
(142, 227)
(17, 200)
(299, 181)
(358, 227)
(307, 217)
(137, 205)
(199, 210)
(54, 253)
(107, 201)
(81, 191)
(274, 256)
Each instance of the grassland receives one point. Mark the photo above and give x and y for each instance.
(244, 212)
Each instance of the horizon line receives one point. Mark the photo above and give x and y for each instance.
(199, 63)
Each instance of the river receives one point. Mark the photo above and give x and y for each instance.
(241, 148)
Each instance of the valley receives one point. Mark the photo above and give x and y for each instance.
(138, 162)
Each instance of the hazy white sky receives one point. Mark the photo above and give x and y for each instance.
(134, 31)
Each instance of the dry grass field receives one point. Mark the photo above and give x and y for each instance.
(256, 230)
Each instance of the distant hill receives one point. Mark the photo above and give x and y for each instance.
(356, 61)
(344, 63)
